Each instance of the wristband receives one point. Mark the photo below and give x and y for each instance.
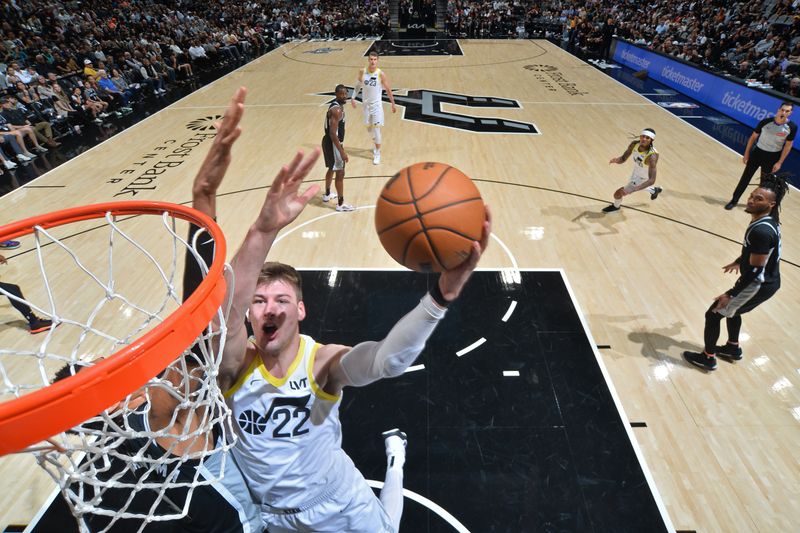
(437, 296)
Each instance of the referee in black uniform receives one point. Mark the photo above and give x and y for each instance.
(759, 278)
(773, 138)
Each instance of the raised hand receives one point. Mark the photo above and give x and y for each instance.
(218, 159)
(284, 202)
(452, 281)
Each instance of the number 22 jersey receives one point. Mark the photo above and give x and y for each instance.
(290, 448)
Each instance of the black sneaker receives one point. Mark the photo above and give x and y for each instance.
(701, 360)
(39, 325)
(730, 205)
(610, 209)
(730, 352)
(655, 193)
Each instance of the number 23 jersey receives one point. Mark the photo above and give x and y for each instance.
(290, 448)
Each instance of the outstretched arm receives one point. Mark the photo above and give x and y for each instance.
(283, 204)
(621, 159)
(218, 159)
(370, 361)
(206, 183)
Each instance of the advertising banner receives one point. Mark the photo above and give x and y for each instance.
(733, 99)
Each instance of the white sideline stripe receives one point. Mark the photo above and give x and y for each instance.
(586, 103)
(626, 423)
(415, 368)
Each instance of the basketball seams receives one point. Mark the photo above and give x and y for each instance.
(413, 225)
(421, 220)
(395, 202)
(451, 204)
(453, 231)
(438, 208)
(436, 182)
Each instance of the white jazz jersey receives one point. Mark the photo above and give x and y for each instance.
(373, 89)
(641, 160)
(290, 435)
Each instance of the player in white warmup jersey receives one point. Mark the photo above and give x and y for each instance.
(285, 389)
(374, 81)
(645, 158)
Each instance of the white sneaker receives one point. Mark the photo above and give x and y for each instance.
(376, 157)
(328, 197)
(345, 207)
(23, 158)
(40, 149)
(395, 442)
(9, 164)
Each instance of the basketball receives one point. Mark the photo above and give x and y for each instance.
(427, 216)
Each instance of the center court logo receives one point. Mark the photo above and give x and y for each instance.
(423, 105)
(203, 124)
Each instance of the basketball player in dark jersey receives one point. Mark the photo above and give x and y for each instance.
(759, 277)
(332, 150)
(220, 507)
(773, 139)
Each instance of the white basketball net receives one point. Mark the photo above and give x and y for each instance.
(140, 460)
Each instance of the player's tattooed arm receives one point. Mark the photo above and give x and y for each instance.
(651, 167)
(624, 157)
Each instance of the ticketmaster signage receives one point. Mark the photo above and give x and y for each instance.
(733, 99)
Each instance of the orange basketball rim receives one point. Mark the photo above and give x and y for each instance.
(56, 408)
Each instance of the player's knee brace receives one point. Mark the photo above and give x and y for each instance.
(376, 134)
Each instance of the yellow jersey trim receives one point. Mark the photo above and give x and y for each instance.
(279, 382)
(239, 382)
(650, 151)
(318, 392)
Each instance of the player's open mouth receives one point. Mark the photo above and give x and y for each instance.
(269, 329)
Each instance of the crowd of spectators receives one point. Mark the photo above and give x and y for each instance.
(68, 64)
(758, 40)
(65, 63)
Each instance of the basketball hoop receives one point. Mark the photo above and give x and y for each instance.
(84, 417)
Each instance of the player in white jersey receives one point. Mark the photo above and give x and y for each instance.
(645, 158)
(285, 389)
(374, 81)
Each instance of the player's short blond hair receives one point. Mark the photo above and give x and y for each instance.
(275, 271)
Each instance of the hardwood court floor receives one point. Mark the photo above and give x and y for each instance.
(721, 447)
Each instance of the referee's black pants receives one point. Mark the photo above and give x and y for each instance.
(758, 158)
